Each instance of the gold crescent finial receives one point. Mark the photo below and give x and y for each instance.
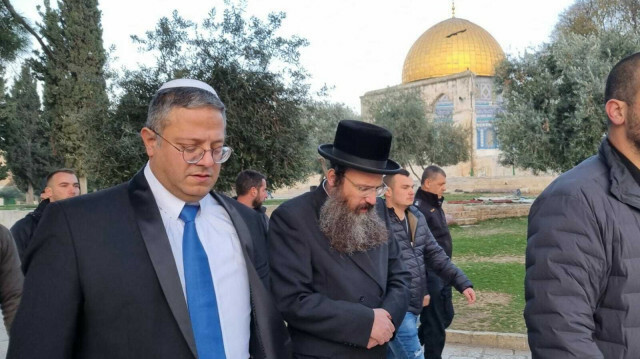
(453, 8)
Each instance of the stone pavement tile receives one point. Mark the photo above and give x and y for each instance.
(497, 351)
(4, 342)
(524, 353)
(462, 350)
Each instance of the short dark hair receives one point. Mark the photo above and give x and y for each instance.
(55, 172)
(622, 82)
(431, 171)
(247, 179)
(388, 179)
(186, 97)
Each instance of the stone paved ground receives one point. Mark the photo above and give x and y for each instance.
(460, 351)
(4, 342)
(451, 351)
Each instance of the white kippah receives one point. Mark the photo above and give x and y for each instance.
(188, 83)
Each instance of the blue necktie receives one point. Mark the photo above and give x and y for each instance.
(201, 295)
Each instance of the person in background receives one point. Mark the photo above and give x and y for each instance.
(60, 184)
(11, 278)
(435, 318)
(337, 277)
(419, 251)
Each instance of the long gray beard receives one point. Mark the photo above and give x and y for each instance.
(350, 232)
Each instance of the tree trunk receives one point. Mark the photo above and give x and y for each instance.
(29, 197)
(83, 185)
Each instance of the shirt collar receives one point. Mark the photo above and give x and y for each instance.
(166, 201)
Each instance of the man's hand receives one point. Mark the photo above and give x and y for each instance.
(372, 343)
(426, 300)
(382, 329)
(470, 294)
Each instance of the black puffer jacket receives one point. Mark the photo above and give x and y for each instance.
(412, 248)
(582, 285)
(420, 249)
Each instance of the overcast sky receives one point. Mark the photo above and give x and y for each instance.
(355, 46)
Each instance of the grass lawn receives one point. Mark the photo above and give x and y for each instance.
(492, 255)
(504, 236)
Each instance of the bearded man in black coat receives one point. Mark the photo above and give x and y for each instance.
(337, 277)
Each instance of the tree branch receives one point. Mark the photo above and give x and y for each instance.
(24, 24)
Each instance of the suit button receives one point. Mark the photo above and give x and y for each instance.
(361, 299)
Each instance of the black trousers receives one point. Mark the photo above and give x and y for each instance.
(435, 317)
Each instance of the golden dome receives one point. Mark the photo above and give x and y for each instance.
(449, 47)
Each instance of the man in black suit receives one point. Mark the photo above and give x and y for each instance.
(337, 277)
(159, 267)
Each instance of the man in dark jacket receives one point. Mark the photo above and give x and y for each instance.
(337, 278)
(436, 317)
(251, 190)
(418, 248)
(60, 184)
(160, 267)
(582, 283)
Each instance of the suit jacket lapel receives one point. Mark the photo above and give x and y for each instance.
(157, 243)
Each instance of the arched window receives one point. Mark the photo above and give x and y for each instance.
(443, 109)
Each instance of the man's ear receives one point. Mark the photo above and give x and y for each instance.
(254, 192)
(48, 191)
(616, 111)
(150, 139)
(331, 177)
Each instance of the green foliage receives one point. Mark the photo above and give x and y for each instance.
(13, 38)
(554, 100)
(554, 97)
(120, 151)
(255, 72)
(321, 120)
(24, 135)
(75, 96)
(418, 140)
(11, 194)
(592, 17)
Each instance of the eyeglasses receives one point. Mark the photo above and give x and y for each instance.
(193, 154)
(366, 191)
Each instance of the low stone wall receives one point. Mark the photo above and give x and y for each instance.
(9, 217)
(504, 184)
(472, 213)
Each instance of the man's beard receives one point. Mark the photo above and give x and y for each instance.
(633, 128)
(257, 203)
(348, 230)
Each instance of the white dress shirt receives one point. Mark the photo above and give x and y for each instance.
(226, 261)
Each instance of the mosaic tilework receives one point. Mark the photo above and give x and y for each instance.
(443, 109)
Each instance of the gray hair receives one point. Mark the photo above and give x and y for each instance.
(187, 97)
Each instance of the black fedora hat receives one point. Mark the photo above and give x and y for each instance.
(362, 146)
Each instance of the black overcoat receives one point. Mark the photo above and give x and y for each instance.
(327, 297)
(101, 282)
